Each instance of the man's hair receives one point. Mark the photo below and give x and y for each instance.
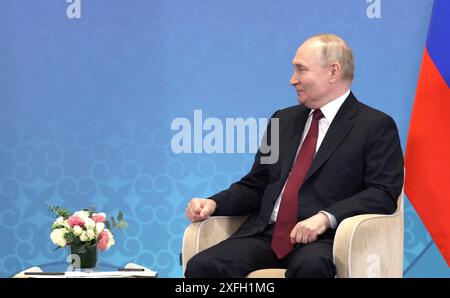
(335, 49)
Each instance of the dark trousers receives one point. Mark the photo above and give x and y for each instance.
(237, 257)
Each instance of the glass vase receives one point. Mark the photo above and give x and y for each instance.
(84, 256)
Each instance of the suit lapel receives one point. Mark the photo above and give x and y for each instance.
(338, 130)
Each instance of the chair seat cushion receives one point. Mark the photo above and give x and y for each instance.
(267, 273)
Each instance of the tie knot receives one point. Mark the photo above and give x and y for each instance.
(317, 115)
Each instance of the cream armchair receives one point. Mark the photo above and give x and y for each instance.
(369, 245)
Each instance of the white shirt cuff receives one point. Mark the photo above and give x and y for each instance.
(333, 222)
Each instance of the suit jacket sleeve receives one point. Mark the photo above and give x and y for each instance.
(244, 197)
(384, 173)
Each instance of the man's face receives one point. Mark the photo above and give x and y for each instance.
(310, 79)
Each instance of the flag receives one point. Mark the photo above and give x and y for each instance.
(427, 157)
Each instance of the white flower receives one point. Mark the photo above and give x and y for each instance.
(57, 236)
(77, 230)
(99, 227)
(83, 236)
(58, 223)
(89, 223)
(82, 214)
(90, 234)
(102, 214)
(60, 220)
(66, 224)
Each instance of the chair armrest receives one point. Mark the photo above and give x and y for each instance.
(370, 245)
(201, 235)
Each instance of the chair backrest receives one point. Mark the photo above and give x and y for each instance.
(400, 203)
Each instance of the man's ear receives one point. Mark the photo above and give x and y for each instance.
(335, 72)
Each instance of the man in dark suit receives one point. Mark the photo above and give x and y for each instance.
(338, 158)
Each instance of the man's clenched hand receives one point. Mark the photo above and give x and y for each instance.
(200, 209)
(308, 230)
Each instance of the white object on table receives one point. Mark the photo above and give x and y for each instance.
(134, 271)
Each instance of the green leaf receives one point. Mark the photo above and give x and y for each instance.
(120, 216)
(59, 211)
(70, 237)
(107, 225)
(113, 221)
(121, 225)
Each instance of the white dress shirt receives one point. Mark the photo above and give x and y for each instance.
(329, 111)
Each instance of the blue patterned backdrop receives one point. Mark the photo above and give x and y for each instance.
(86, 106)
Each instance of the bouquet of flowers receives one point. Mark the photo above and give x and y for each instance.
(84, 228)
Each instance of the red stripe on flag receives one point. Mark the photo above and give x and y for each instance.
(427, 157)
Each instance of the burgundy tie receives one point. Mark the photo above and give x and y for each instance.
(287, 213)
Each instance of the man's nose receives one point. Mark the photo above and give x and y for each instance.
(294, 79)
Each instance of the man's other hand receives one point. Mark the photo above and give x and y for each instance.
(200, 209)
(308, 230)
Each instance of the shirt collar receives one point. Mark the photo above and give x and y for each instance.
(330, 110)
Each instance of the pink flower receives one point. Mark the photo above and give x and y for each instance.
(75, 221)
(98, 218)
(103, 240)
